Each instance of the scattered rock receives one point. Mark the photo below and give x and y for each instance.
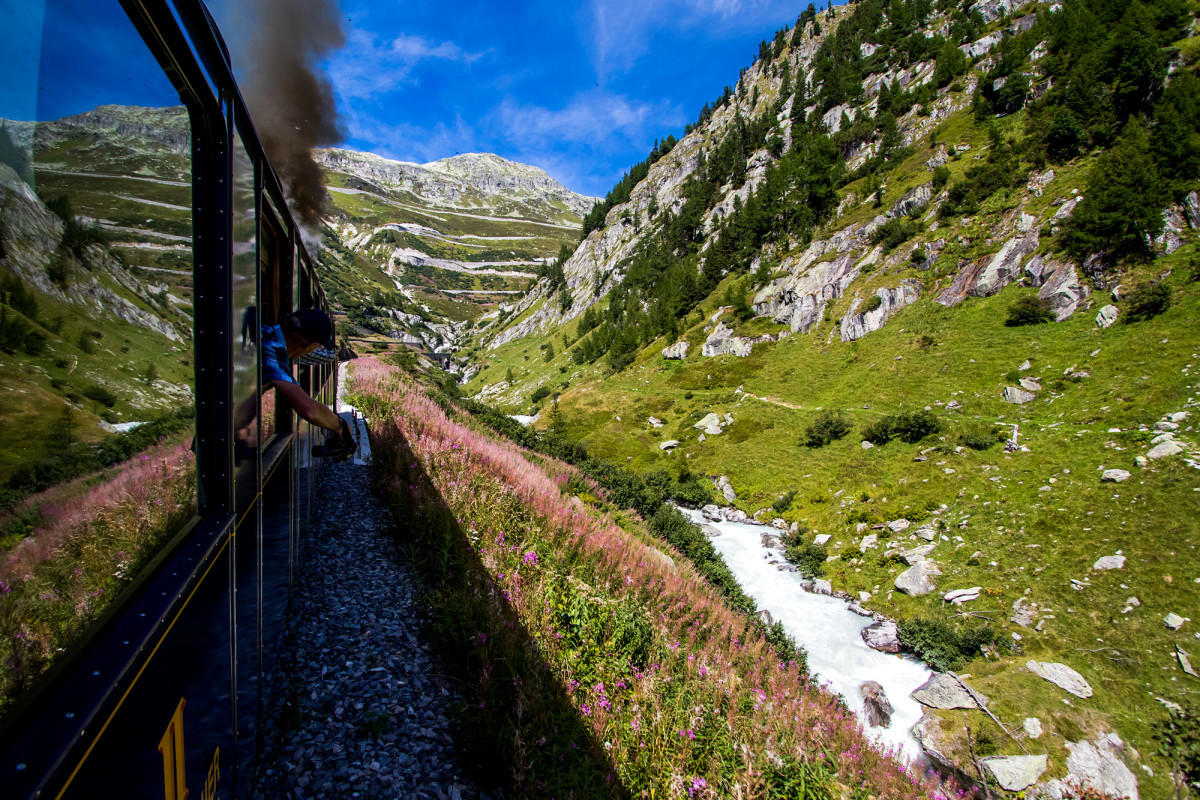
(1165, 449)
(944, 691)
(710, 424)
(1141, 461)
(1015, 773)
(1061, 291)
(869, 542)
(1030, 384)
(876, 705)
(917, 580)
(722, 341)
(1017, 396)
(882, 636)
(898, 525)
(1061, 676)
(669, 444)
(822, 538)
(917, 554)
(1173, 621)
(1110, 562)
(1025, 366)
(960, 596)
(1115, 476)
(1094, 765)
(867, 445)
(1033, 727)
(1107, 316)
(927, 532)
(654, 422)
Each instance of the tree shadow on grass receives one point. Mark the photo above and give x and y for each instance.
(520, 732)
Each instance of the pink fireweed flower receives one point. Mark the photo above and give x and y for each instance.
(530, 558)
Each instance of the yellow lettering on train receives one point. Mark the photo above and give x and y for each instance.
(171, 747)
(214, 776)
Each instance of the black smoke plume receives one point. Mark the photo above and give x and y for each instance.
(278, 47)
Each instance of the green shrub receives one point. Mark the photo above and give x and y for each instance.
(942, 646)
(940, 177)
(1179, 742)
(911, 427)
(539, 394)
(784, 502)
(1027, 310)
(851, 552)
(828, 426)
(979, 437)
(101, 395)
(808, 558)
(894, 232)
(1146, 302)
(873, 302)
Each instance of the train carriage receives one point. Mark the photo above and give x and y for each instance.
(127, 113)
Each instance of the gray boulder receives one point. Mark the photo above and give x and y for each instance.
(722, 341)
(917, 554)
(676, 351)
(1017, 396)
(711, 531)
(1030, 385)
(822, 586)
(944, 691)
(1109, 562)
(710, 424)
(876, 704)
(1033, 727)
(1107, 316)
(1015, 773)
(1061, 676)
(856, 326)
(726, 490)
(1115, 476)
(1173, 621)
(1165, 449)
(669, 444)
(882, 636)
(912, 200)
(1094, 765)
(917, 580)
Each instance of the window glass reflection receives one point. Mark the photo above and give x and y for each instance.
(96, 470)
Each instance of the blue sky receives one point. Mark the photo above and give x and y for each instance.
(579, 89)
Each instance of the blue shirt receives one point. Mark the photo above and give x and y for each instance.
(275, 363)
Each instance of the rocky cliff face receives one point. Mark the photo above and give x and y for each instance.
(469, 180)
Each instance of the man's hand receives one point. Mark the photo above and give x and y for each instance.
(348, 440)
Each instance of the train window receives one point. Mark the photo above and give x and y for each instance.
(248, 320)
(96, 412)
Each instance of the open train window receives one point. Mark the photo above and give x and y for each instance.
(96, 301)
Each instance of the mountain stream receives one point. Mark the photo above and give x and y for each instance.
(827, 629)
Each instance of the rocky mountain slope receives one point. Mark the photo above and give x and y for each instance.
(419, 251)
(871, 294)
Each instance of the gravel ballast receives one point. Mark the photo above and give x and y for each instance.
(360, 707)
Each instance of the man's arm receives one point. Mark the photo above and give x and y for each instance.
(306, 407)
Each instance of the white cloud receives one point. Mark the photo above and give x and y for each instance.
(368, 68)
(408, 142)
(589, 118)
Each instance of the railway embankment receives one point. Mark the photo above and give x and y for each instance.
(361, 708)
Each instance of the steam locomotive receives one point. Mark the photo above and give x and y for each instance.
(165, 693)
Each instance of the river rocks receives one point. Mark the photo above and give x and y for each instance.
(1173, 621)
(711, 512)
(711, 531)
(882, 636)
(944, 691)
(1093, 765)
(822, 586)
(1107, 316)
(1109, 562)
(1114, 476)
(1061, 676)
(1017, 396)
(960, 596)
(876, 704)
(917, 580)
(1165, 449)
(726, 490)
(1015, 773)
(676, 352)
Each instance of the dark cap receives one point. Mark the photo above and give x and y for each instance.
(314, 325)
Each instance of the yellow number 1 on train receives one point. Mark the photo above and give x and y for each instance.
(171, 747)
